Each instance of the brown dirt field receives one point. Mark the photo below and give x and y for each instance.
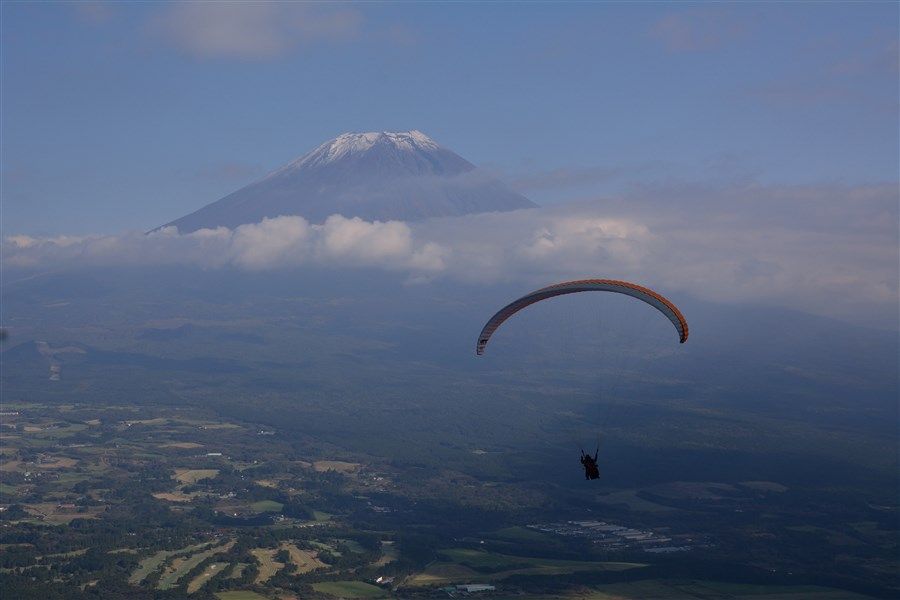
(10, 465)
(182, 445)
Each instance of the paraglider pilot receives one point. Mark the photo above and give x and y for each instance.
(590, 464)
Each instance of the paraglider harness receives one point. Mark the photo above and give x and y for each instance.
(590, 464)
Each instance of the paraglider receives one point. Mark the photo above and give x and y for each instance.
(647, 295)
(591, 471)
(654, 299)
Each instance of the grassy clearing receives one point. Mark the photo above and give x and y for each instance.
(220, 426)
(353, 546)
(327, 547)
(462, 564)
(208, 573)
(183, 565)
(389, 553)
(64, 554)
(306, 560)
(630, 499)
(267, 506)
(56, 433)
(152, 563)
(175, 496)
(58, 462)
(237, 570)
(8, 490)
(349, 589)
(54, 514)
(442, 573)
(194, 475)
(268, 566)
(336, 465)
(149, 565)
(764, 486)
(521, 534)
(151, 422)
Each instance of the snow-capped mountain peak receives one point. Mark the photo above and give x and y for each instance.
(376, 175)
(355, 143)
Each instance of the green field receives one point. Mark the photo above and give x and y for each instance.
(194, 475)
(152, 563)
(349, 589)
(521, 534)
(492, 560)
(463, 564)
(353, 546)
(630, 499)
(389, 553)
(268, 566)
(200, 580)
(237, 570)
(149, 565)
(7, 490)
(172, 575)
(267, 506)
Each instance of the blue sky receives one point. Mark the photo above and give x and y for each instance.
(125, 116)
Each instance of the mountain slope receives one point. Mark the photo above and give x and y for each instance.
(376, 176)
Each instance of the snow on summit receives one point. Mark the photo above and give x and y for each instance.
(349, 143)
(376, 175)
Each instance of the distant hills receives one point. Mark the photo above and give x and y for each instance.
(375, 176)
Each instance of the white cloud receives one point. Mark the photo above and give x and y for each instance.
(253, 30)
(287, 241)
(827, 250)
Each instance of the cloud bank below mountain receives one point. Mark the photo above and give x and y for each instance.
(825, 250)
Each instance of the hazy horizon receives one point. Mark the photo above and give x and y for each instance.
(247, 250)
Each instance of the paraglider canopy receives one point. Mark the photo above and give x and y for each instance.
(647, 295)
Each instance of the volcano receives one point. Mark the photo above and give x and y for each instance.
(381, 176)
